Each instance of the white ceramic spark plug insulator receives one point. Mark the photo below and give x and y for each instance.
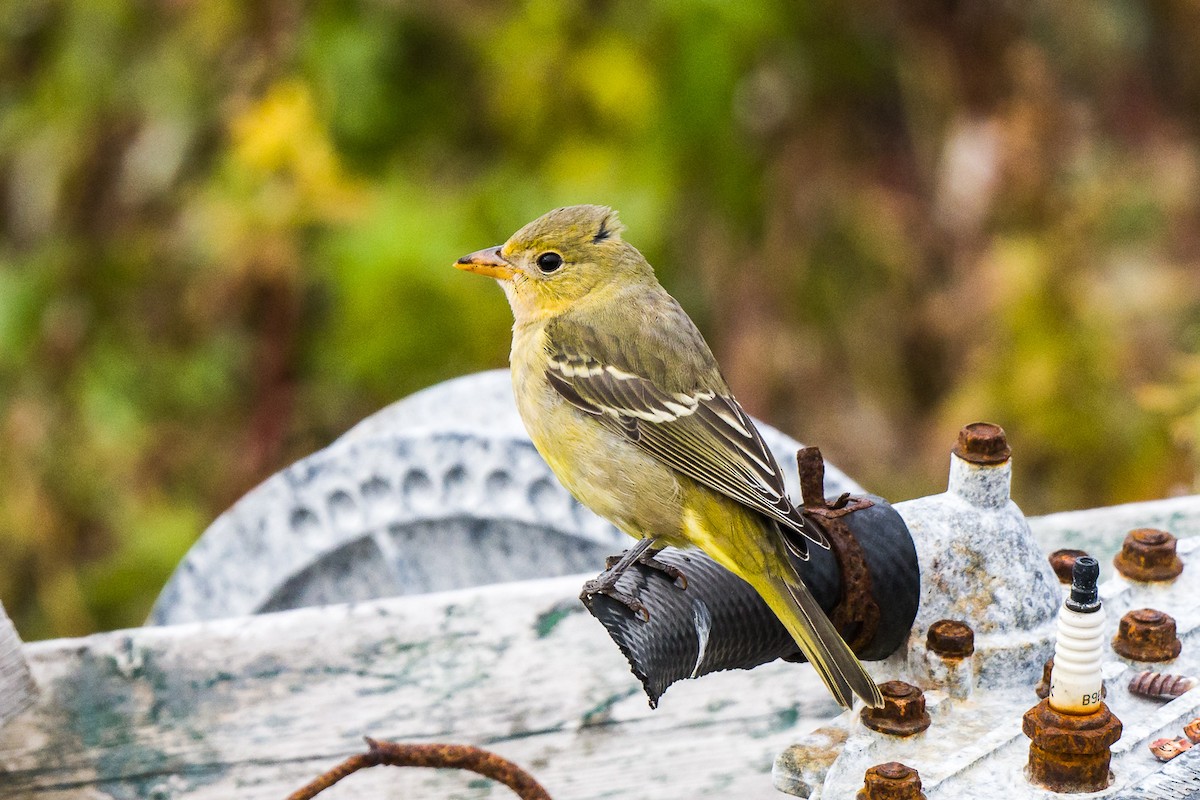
(1076, 680)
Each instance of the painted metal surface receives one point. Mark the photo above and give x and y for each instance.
(980, 564)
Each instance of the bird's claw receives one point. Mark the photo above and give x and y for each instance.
(609, 588)
(648, 559)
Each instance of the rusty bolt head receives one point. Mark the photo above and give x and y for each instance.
(950, 638)
(982, 443)
(1147, 634)
(1148, 554)
(891, 781)
(1063, 562)
(902, 713)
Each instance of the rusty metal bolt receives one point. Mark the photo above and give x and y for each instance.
(1069, 752)
(891, 781)
(1063, 562)
(1160, 684)
(1192, 731)
(950, 638)
(903, 712)
(1148, 554)
(982, 443)
(1147, 634)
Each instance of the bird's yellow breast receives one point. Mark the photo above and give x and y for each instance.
(603, 470)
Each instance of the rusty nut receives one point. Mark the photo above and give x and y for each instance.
(1148, 554)
(1063, 562)
(902, 713)
(1147, 634)
(950, 638)
(982, 443)
(1068, 752)
(891, 781)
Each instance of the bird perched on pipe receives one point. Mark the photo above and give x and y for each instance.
(623, 398)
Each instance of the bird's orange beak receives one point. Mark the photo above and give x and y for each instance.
(487, 262)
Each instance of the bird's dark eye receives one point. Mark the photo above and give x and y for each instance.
(549, 261)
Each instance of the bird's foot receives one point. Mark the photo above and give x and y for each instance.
(606, 584)
(648, 559)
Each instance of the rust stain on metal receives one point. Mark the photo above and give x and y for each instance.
(1147, 634)
(856, 615)
(1166, 749)
(817, 752)
(982, 443)
(950, 638)
(891, 781)
(1068, 752)
(902, 713)
(1148, 554)
(1063, 562)
(1160, 684)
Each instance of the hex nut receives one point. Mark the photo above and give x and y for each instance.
(982, 443)
(1147, 634)
(891, 781)
(1063, 562)
(950, 638)
(903, 712)
(1148, 554)
(1069, 752)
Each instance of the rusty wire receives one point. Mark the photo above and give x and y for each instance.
(450, 756)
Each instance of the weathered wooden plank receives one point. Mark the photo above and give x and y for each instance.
(254, 707)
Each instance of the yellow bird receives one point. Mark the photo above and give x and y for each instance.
(623, 398)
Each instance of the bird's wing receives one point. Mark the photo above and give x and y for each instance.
(700, 431)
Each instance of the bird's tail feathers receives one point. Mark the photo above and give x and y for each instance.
(830, 656)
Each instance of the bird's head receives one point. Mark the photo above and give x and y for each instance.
(559, 259)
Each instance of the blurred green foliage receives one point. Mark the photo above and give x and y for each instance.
(226, 232)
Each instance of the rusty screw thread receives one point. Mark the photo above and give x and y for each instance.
(950, 638)
(902, 713)
(891, 781)
(982, 443)
(1147, 634)
(1148, 554)
(1160, 684)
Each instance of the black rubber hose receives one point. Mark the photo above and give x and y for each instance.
(718, 622)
